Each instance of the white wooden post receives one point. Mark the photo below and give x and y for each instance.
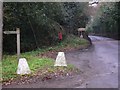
(18, 43)
(1, 29)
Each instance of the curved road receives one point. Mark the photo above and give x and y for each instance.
(98, 66)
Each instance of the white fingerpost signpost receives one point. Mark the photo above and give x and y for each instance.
(60, 60)
(23, 67)
(18, 40)
(1, 28)
(80, 30)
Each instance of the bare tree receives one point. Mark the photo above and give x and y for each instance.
(1, 28)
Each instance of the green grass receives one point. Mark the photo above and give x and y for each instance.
(44, 65)
(9, 65)
(74, 41)
(0, 71)
(9, 62)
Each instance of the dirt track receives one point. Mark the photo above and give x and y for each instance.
(98, 65)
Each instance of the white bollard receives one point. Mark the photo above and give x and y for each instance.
(81, 36)
(60, 60)
(23, 67)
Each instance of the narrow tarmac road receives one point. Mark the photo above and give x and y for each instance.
(98, 66)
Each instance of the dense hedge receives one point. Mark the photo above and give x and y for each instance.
(40, 22)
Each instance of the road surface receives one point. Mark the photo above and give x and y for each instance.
(98, 66)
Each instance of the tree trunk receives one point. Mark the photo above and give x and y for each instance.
(1, 29)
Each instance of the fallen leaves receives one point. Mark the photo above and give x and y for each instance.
(43, 75)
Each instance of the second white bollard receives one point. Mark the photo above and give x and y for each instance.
(60, 60)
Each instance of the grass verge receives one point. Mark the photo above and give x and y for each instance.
(43, 66)
(70, 42)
